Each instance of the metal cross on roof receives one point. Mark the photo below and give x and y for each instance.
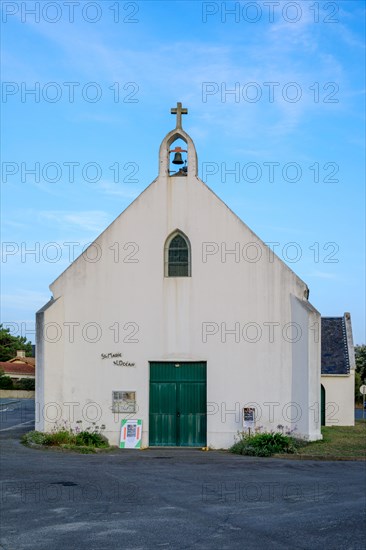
(179, 111)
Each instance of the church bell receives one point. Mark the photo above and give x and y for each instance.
(178, 159)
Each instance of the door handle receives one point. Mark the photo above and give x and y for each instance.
(178, 413)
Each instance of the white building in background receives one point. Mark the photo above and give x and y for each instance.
(337, 372)
(180, 316)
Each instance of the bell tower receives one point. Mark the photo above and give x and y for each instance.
(177, 153)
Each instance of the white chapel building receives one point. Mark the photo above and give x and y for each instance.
(178, 315)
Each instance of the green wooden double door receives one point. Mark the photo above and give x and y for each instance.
(177, 404)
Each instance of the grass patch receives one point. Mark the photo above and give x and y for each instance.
(339, 442)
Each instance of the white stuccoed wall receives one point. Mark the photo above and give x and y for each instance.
(339, 399)
(169, 313)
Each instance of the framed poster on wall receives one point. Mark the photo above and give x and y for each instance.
(248, 418)
(131, 434)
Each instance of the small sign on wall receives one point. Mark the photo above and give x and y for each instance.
(131, 434)
(248, 418)
(124, 401)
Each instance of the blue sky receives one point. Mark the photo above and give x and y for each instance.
(275, 93)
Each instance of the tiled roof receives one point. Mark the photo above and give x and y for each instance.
(28, 360)
(13, 369)
(334, 348)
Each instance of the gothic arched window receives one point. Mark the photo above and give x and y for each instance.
(177, 256)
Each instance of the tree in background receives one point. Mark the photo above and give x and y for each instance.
(360, 375)
(9, 345)
(360, 355)
(358, 384)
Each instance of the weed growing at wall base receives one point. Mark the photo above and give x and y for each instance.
(83, 440)
(266, 444)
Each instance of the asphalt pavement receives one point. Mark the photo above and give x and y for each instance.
(16, 412)
(172, 499)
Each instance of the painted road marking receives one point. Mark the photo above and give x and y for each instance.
(16, 426)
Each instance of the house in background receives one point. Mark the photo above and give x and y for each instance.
(21, 358)
(337, 372)
(19, 367)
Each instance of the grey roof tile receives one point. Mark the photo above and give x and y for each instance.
(334, 348)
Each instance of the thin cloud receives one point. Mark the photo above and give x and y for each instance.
(322, 275)
(29, 300)
(119, 190)
(227, 63)
(92, 220)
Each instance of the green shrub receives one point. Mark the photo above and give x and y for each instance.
(264, 444)
(37, 438)
(59, 438)
(91, 439)
(6, 382)
(27, 384)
